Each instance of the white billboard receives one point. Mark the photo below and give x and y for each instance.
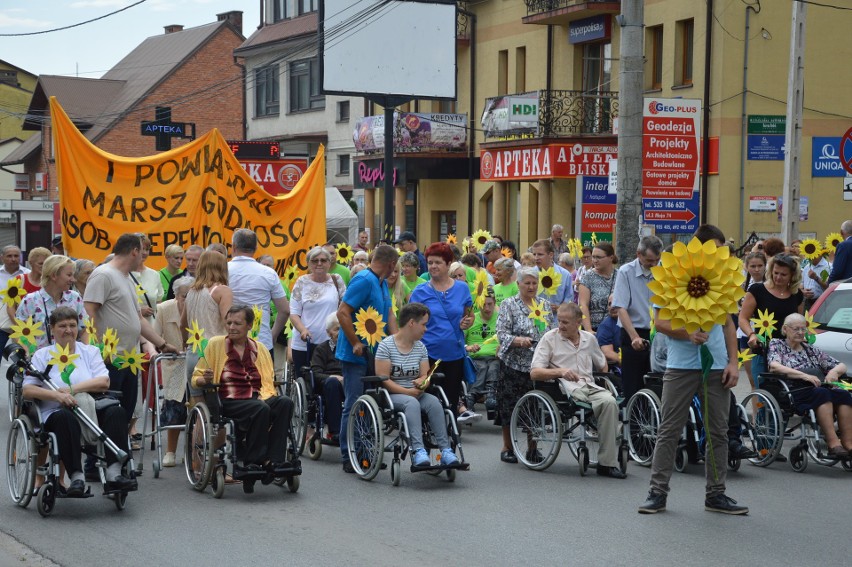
(374, 47)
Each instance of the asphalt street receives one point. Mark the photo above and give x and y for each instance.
(495, 514)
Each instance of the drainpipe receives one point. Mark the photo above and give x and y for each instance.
(471, 174)
(744, 127)
(705, 142)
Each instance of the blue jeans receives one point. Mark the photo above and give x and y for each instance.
(353, 387)
(759, 365)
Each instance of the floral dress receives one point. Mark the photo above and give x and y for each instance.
(806, 396)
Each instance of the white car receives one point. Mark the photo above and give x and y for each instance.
(833, 312)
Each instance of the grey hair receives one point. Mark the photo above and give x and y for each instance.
(331, 321)
(316, 251)
(410, 259)
(184, 282)
(526, 272)
(80, 265)
(455, 266)
(794, 318)
(557, 227)
(845, 228)
(505, 264)
(9, 247)
(244, 240)
(195, 248)
(651, 243)
(565, 258)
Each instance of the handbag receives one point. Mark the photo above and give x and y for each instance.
(468, 365)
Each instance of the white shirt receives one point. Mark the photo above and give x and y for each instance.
(252, 284)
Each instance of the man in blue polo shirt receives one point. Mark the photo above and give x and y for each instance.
(367, 288)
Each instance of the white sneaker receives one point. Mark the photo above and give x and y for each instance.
(169, 460)
(465, 416)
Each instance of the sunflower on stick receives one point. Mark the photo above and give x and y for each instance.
(538, 313)
(13, 293)
(196, 339)
(63, 359)
(26, 333)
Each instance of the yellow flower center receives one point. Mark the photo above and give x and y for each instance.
(698, 287)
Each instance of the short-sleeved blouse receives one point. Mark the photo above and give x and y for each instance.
(600, 289)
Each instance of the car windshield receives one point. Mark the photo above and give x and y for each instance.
(835, 313)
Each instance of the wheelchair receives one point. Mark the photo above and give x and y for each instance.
(32, 451)
(545, 417)
(373, 416)
(293, 386)
(211, 446)
(773, 410)
(314, 414)
(644, 415)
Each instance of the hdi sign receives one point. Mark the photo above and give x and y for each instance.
(523, 110)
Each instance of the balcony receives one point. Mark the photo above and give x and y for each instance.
(562, 12)
(464, 26)
(550, 114)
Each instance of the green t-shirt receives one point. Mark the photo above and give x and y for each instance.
(409, 286)
(502, 292)
(474, 336)
(341, 271)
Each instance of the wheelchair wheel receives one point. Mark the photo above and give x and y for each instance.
(120, 500)
(643, 418)
(46, 499)
(293, 484)
(623, 456)
(765, 426)
(315, 446)
(295, 390)
(583, 459)
(451, 475)
(577, 432)
(198, 451)
(21, 454)
(396, 477)
(365, 435)
(681, 458)
(798, 458)
(536, 430)
(217, 483)
(818, 449)
(155, 464)
(15, 399)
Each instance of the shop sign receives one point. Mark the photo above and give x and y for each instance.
(276, 176)
(371, 173)
(589, 29)
(413, 132)
(825, 157)
(556, 161)
(767, 124)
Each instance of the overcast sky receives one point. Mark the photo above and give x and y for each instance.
(91, 49)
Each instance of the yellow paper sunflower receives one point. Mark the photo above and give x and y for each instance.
(506, 252)
(479, 238)
(140, 293)
(26, 331)
(465, 245)
(697, 285)
(764, 323)
(480, 288)
(92, 331)
(344, 254)
(811, 249)
(812, 325)
(369, 325)
(594, 239)
(400, 251)
(110, 340)
(451, 239)
(832, 240)
(549, 280)
(62, 357)
(744, 356)
(13, 293)
(132, 359)
(255, 326)
(539, 311)
(196, 337)
(291, 274)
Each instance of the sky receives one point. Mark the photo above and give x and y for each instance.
(91, 49)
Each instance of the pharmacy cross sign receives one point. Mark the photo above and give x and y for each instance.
(164, 129)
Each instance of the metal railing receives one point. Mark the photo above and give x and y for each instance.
(540, 6)
(561, 113)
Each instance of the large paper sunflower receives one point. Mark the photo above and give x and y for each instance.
(369, 325)
(26, 333)
(196, 338)
(744, 356)
(480, 288)
(344, 254)
(62, 357)
(451, 239)
(255, 326)
(13, 293)
(549, 281)
(832, 240)
(697, 285)
(539, 312)
(506, 252)
(291, 274)
(132, 359)
(811, 249)
(479, 238)
(764, 324)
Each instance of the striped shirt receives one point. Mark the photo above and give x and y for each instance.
(405, 366)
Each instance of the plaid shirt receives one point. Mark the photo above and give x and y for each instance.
(240, 377)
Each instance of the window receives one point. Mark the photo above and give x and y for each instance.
(343, 164)
(266, 102)
(597, 98)
(306, 6)
(683, 55)
(9, 77)
(520, 69)
(343, 111)
(654, 56)
(503, 73)
(279, 10)
(304, 86)
(445, 106)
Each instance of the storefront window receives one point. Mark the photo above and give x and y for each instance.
(597, 76)
(514, 200)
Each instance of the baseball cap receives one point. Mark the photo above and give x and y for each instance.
(57, 240)
(489, 246)
(405, 236)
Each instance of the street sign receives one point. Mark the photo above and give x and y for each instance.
(846, 150)
(847, 188)
(766, 147)
(767, 123)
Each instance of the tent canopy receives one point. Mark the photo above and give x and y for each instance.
(341, 223)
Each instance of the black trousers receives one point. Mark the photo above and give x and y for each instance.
(67, 428)
(266, 424)
(634, 363)
(453, 371)
(126, 382)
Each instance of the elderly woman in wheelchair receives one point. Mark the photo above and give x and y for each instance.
(237, 375)
(808, 373)
(61, 380)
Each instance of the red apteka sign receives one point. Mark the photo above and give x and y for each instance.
(670, 148)
(553, 161)
(276, 176)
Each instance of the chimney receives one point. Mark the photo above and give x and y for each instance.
(173, 28)
(235, 17)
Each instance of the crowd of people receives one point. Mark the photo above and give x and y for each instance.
(501, 320)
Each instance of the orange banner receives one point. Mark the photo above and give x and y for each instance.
(195, 194)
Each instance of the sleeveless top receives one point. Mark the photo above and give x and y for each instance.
(201, 307)
(778, 308)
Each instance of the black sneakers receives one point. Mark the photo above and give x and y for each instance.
(724, 505)
(656, 502)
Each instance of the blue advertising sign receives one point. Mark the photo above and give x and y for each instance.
(765, 147)
(589, 29)
(596, 190)
(825, 157)
(672, 216)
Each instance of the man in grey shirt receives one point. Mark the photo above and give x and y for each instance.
(632, 298)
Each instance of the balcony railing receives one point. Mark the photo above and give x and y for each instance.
(463, 24)
(559, 113)
(540, 6)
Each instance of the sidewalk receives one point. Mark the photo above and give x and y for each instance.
(14, 553)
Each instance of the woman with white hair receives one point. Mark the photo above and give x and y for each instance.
(808, 372)
(328, 378)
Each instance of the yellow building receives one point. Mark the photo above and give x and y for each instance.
(16, 90)
(539, 81)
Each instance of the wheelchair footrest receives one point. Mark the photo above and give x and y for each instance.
(460, 466)
(61, 493)
(289, 469)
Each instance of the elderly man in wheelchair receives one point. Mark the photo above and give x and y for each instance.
(241, 370)
(63, 380)
(571, 355)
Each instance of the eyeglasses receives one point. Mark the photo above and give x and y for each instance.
(798, 329)
(598, 257)
(320, 261)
